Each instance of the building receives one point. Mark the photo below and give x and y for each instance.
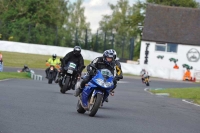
(171, 37)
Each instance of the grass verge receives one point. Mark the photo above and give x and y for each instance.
(183, 93)
(7, 75)
(14, 59)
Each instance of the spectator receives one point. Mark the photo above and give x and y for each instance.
(1, 62)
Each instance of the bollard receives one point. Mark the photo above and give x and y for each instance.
(39, 77)
(35, 77)
(32, 75)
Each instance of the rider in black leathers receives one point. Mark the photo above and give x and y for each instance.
(75, 57)
(107, 61)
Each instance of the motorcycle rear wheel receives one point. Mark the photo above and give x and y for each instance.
(79, 108)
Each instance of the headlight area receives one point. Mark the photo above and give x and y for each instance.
(104, 84)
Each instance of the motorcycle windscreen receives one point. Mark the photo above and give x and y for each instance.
(102, 81)
(70, 65)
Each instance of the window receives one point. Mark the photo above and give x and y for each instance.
(160, 47)
(172, 47)
(166, 47)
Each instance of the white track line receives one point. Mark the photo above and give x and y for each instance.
(146, 89)
(190, 102)
(123, 82)
(4, 80)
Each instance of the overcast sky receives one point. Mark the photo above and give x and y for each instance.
(94, 9)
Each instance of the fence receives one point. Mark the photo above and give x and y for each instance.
(64, 36)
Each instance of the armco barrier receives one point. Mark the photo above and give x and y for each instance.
(43, 49)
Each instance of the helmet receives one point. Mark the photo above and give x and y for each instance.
(115, 54)
(54, 56)
(108, 54)
(25, 66)
(77, 50)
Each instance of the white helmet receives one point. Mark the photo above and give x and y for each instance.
(114, 54)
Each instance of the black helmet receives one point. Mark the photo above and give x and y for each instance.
(54, 56)
(108, 54)
(77, 50)
(25, 66)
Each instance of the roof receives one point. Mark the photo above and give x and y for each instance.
(172, 24)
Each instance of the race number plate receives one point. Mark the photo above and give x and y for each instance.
(70, 71)
(72, 65)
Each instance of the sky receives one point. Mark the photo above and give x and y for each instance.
(94, 9)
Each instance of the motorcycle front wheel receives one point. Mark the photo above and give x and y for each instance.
(94, 108)
(50, 78)
(65, 87)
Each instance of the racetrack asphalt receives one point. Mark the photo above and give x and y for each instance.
(28, 106)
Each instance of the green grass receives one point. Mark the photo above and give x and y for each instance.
(7, 75)
(13, 59)
(184, 93)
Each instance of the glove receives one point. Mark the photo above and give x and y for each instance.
(112, 92)
(92, 72)
(117, 78)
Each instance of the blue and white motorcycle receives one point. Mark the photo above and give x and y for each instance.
(95, 92)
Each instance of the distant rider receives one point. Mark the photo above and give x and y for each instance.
(75, 57)
(53, 62)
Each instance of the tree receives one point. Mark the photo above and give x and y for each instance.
(42, 21)
(178, 3)
(124, 21)
(76, 23)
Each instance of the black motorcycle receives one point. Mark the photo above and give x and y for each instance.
(66, 81)
(51, 74)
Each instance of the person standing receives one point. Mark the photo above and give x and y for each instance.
(1, 62)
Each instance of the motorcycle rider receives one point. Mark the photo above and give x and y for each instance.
(75, 57)
(53, 62)
(107, 61)
(25, 69)
(143, 73)
(118, 70)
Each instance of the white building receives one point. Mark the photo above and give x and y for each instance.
(171, 32)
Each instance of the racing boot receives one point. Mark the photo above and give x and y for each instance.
(78, 91)
(106, 100)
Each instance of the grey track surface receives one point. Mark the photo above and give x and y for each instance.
(28, 106)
